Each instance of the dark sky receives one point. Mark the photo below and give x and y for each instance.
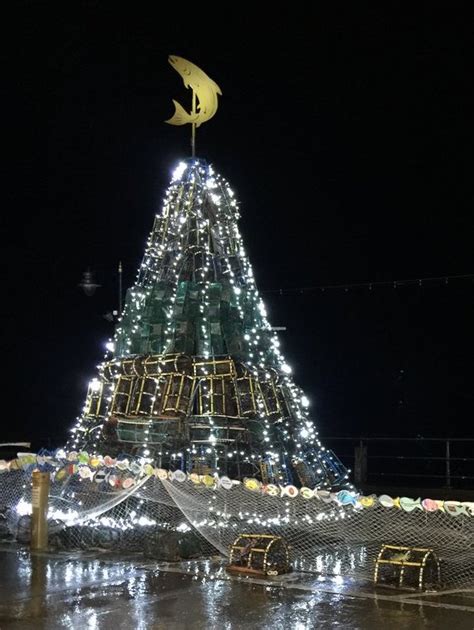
(347, 134)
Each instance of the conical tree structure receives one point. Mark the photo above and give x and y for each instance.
(195, 379)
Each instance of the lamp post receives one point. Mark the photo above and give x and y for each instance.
(87, 283)
(120, 288)
(89, 286)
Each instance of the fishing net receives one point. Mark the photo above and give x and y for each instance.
(171, 520)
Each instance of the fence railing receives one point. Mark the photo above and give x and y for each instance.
(447, 462)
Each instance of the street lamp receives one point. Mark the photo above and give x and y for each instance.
(87, 283)
(89, 286)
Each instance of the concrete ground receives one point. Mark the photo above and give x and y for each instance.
(101, 590)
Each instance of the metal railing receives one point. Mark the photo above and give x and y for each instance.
(448, 462)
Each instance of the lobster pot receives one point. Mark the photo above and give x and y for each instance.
(136, 430)
(408, 567)
(260, 554)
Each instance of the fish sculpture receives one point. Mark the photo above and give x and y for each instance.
(204, 89)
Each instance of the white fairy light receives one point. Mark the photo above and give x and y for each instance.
(179, 171)
(94, 385)
(186, 208)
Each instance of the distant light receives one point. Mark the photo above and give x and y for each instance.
(286, 368)
(304, 401)
(110, 346)
(87, 283)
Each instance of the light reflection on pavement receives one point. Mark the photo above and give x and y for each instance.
(97, 590)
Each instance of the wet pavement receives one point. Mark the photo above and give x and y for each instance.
(99, 590)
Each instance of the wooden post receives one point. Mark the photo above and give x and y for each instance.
(39, 503)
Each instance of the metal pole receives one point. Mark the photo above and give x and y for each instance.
(360, 463)
(193, 127)
(448, 465)
(39, 503)
(120, 288)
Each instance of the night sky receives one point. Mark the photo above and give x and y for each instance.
(347, 135)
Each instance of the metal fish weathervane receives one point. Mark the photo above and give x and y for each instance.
(205, 92)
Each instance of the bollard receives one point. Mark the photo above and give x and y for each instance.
(39, 503)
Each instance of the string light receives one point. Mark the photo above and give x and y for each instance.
(194, 255)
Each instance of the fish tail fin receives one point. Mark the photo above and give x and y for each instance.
(180, 116)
